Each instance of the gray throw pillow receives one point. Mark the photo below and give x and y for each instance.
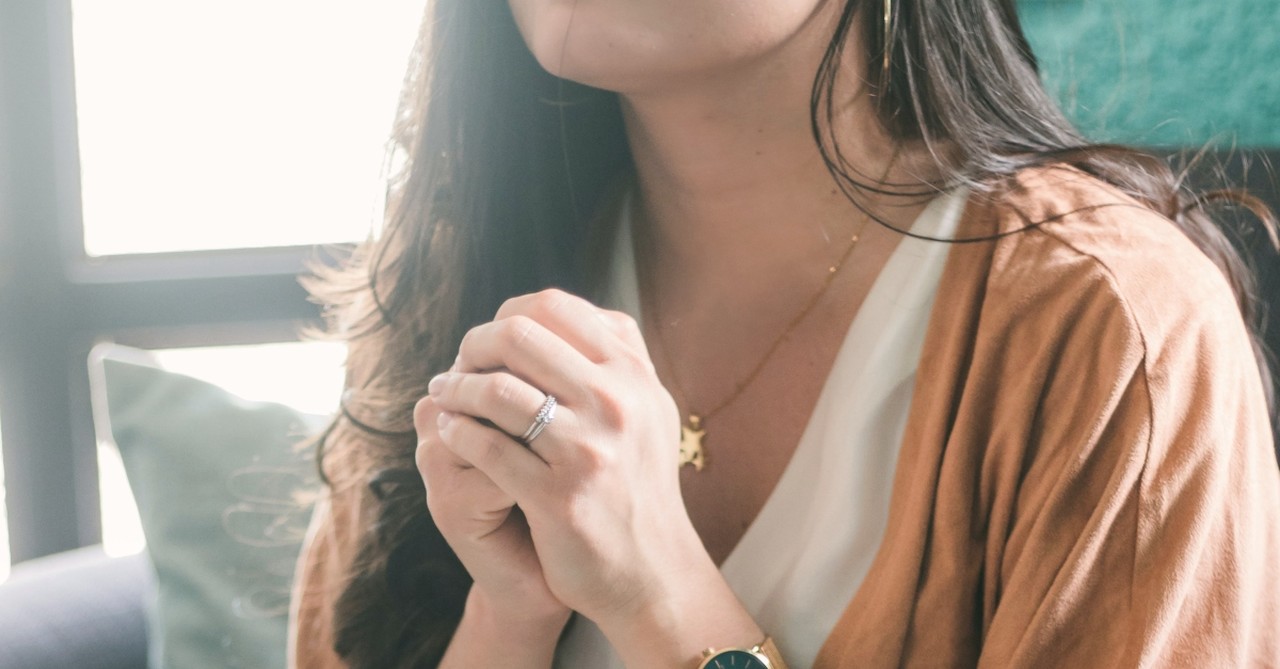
(223, 490)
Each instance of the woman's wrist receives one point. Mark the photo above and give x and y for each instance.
(497, 636)
(694, 611)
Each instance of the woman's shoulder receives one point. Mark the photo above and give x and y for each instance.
(1080, 252)
(1088, 300)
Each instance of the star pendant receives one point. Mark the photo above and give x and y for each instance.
(691, 435)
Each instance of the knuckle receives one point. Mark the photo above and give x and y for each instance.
(598, 460)
(613, 411)
(441, 514)
(493, 448)
(517, 330)
(501, 389)
(550, 299)
(424, 417)
(634, 362)
(421, 457)
(467, 343)
(624, 326)
(578, 512)
(623, 321)
(627, 329)
(574, 513)
(429, 464)
(544, 304)
(512, 306)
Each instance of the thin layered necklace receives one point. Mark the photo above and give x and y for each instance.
(693, 426)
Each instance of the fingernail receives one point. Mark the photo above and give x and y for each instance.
(437, 383)
(444, 419)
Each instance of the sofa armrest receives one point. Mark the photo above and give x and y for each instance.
(77, 609)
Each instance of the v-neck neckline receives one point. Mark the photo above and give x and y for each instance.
(788, 569)
(623, 294)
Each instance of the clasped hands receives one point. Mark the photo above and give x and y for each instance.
(589, 516)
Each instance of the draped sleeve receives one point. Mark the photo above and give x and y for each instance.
(1088, 477)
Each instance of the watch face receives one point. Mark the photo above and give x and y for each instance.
(736, 659)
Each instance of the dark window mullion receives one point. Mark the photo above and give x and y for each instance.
(114, 306)
(50, 476)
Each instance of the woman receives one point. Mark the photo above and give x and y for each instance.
(677, 378)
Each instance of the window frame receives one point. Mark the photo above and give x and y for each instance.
(58, 302)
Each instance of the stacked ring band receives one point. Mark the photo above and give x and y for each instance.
(546, 414)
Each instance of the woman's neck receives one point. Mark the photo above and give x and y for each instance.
(734, 193)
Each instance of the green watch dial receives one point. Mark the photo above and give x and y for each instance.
(736, 659)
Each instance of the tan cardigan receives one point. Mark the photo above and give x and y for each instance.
(1087, 477)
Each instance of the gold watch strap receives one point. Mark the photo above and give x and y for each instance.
(770, 651)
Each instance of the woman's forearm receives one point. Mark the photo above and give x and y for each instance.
(490, 637)
(701, 613)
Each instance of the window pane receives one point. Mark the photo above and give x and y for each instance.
(121, 526)
(234, 123)
(305, 376)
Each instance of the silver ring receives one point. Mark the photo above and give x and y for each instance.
(546, 414)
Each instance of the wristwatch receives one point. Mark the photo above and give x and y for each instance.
(763, 655)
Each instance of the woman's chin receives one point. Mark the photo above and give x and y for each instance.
(633, 45)
(610, 62)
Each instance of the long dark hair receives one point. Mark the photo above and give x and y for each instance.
(503, 188)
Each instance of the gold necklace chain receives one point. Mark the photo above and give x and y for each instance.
(692, 430)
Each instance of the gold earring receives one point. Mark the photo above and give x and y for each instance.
(888, 34)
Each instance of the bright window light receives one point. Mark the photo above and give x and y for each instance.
(235, 123)
(306, 376)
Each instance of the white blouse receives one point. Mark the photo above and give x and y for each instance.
(804, 556)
